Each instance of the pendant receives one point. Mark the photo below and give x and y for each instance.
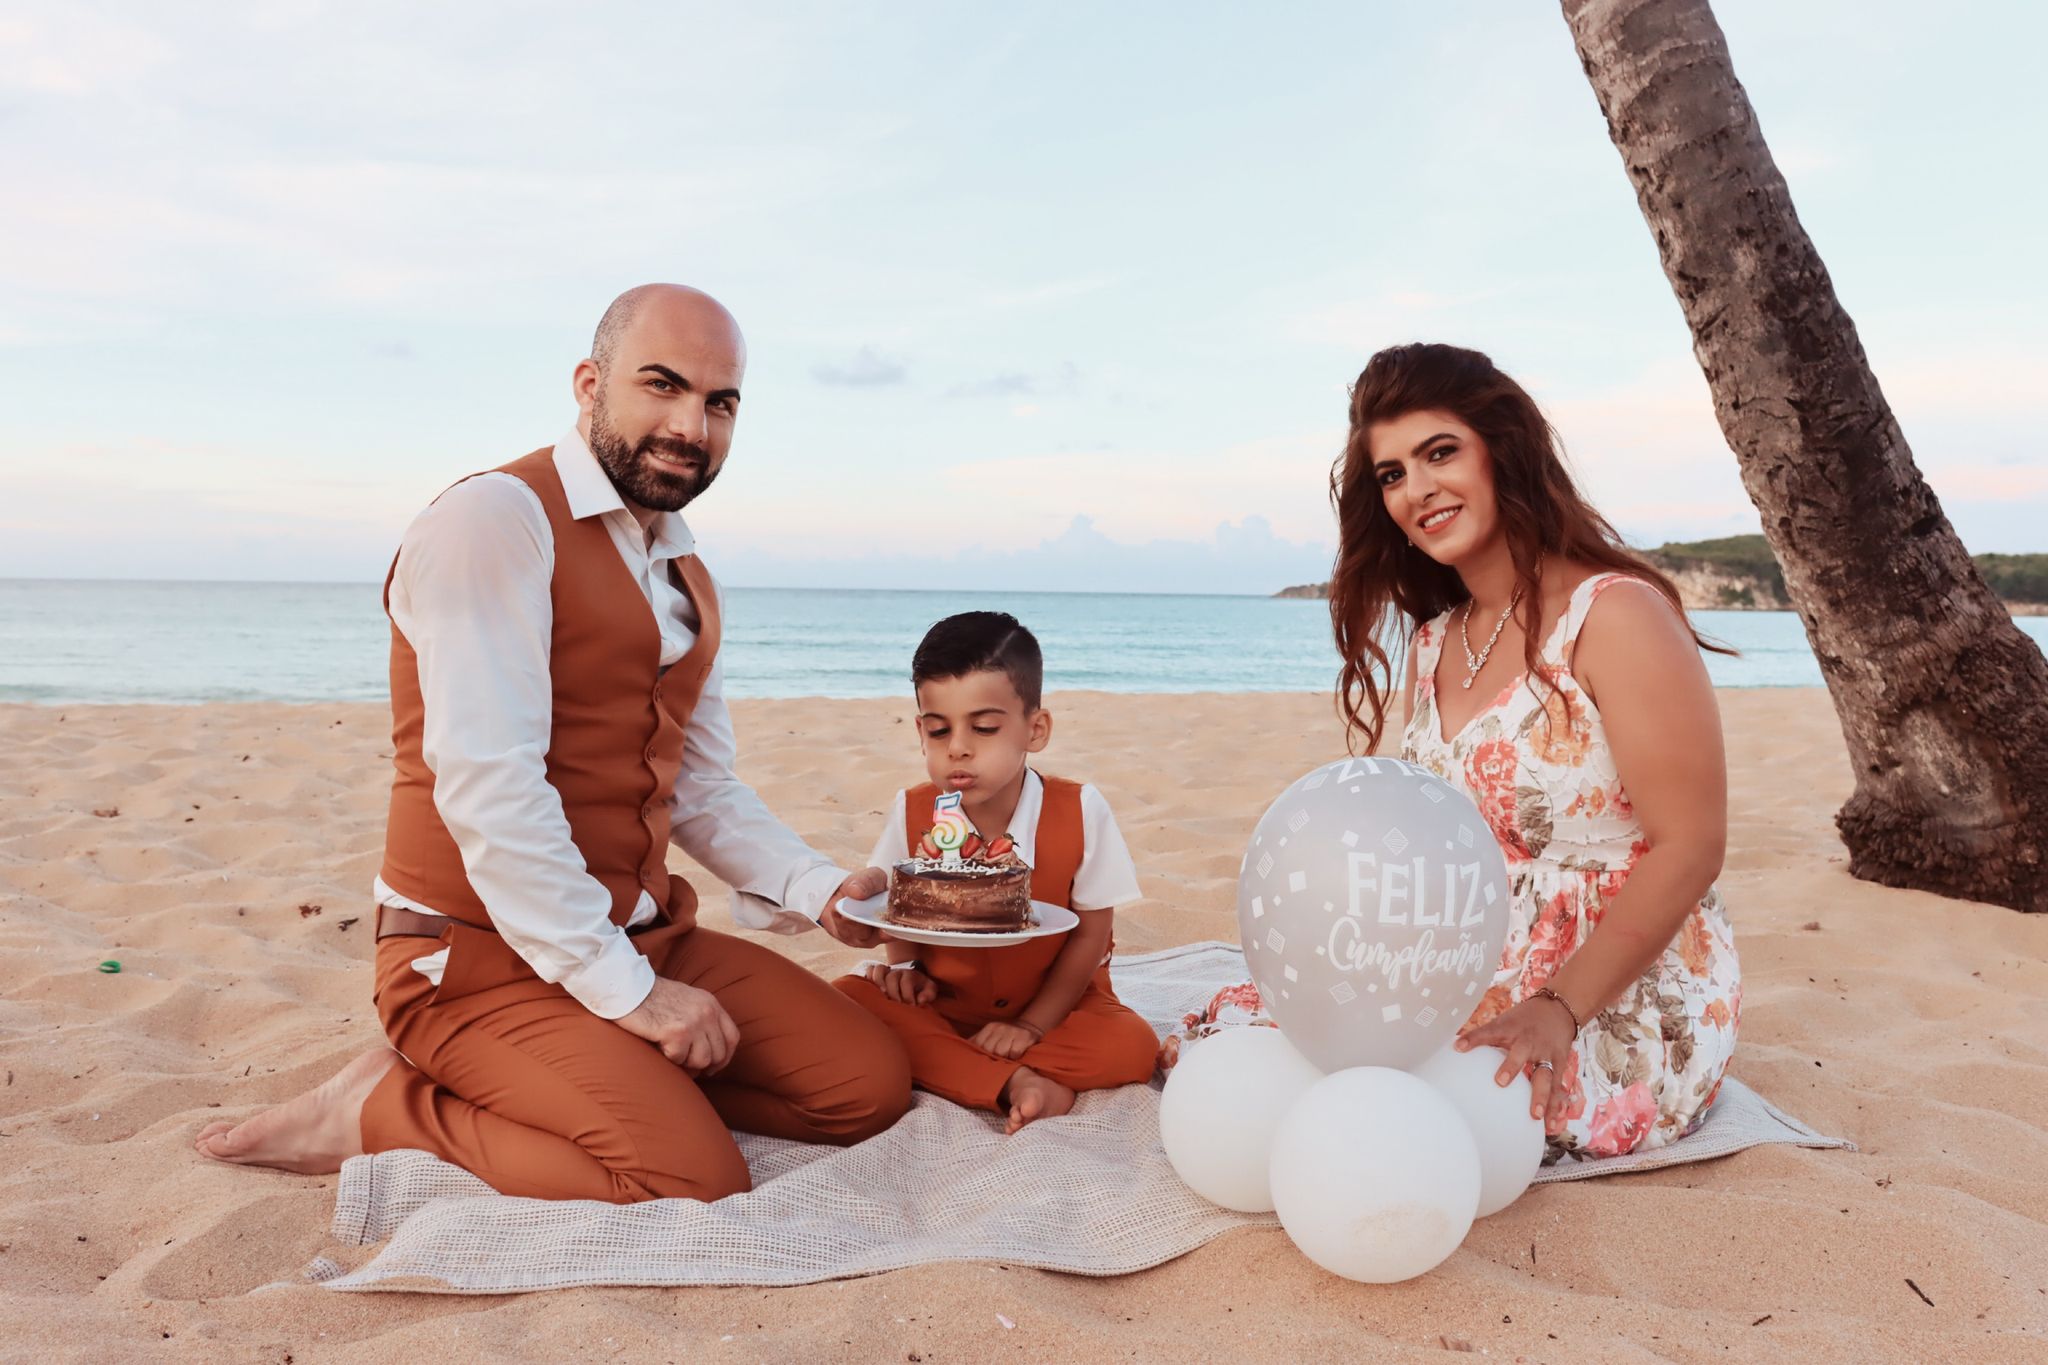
(1467, 684)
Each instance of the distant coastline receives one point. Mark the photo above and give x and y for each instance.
(68, 643)
(1738, 573)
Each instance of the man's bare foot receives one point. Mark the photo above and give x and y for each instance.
(312, 1134)
(1031, 1096)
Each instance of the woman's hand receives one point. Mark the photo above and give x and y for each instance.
(1537, 1036)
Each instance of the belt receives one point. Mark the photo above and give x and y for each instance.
(395, 921)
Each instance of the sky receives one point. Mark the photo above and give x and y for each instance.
(1037, 297)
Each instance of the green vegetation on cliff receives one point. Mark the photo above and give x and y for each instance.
(1737, 556)
(2016, 578)
(2013, 578)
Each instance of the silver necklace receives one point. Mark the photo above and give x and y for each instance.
(1475, 662)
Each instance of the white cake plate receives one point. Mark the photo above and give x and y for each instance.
(1052, 919)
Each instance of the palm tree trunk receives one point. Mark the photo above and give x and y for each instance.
(1943, 701)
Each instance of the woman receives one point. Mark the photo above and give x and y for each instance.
(1552, 676)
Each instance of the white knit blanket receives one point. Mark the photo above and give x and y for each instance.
(1090, 1193)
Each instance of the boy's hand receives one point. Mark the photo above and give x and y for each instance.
(1008, 1041)
(869, 881)
(906, 985)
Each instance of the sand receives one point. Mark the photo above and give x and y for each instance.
(223, 855)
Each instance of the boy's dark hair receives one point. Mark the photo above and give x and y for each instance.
(978, 641)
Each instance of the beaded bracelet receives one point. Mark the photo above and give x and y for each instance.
(1545, 993)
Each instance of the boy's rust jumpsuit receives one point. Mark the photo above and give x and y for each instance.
(1101, 1043)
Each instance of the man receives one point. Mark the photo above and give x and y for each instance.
(561, 1027)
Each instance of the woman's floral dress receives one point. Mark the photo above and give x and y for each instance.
(1536, 763)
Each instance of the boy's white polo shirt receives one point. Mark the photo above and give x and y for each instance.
(1107, 878)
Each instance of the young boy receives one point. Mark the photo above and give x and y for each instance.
(1015, 1029)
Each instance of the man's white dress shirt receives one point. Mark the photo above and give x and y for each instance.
(1108, 878)
(471, 596)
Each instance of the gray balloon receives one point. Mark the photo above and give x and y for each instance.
(1372, 905)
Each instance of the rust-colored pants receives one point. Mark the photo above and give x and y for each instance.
(510, 1078)
(1101, 1043)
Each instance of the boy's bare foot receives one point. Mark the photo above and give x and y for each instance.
(312, 1134)
(1031, 1096)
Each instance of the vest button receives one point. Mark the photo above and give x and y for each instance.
(657, 691)
(650, 753)
(1001, 1003)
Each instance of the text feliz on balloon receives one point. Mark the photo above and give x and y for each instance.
(1372, 904)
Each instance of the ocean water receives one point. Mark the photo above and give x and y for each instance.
(70, 641)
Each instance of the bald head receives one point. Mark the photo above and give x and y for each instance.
(671, 307)
(660, 392)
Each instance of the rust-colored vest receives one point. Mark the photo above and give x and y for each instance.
(978, 984)
(617, 738)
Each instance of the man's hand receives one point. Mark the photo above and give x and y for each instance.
(905, 984)
(869, 881)
(1008, 1041)
(689, 1026)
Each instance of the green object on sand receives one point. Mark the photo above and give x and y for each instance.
(110, 966)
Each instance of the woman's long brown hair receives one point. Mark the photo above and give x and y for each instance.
(1378, 572)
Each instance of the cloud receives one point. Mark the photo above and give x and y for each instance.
(1806, 158)
(868, 368)
(1361, 324)
(995, 386)
(157, 510)
(1064, 378)
(183, 211)
(1053, 291)
(1252, 517)
(1650, 454)
(1243, 557)
(181, 170)
(76, 54)
(1989, 482)
(1160, 495)
(1961, 381)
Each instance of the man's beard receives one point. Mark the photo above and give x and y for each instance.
(638, 478)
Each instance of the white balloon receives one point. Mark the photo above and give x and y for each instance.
(1223, 1100)
(1375, 1175)
(1510, 1142)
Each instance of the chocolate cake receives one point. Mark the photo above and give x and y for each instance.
(969, 896)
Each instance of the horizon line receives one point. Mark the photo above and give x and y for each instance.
(746, 587)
